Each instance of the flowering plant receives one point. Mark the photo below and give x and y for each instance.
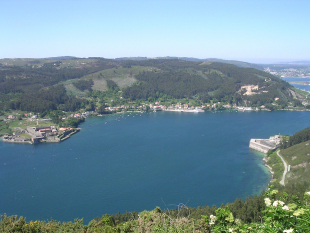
(280, 215)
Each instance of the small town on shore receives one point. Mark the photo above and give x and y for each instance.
(30, 128)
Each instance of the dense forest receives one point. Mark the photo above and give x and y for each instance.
(299, 137)
(84, 85)
(215, 81)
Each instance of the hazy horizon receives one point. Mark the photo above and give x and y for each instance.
(254, 61)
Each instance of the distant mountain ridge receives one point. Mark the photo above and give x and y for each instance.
(192, 59)
(61, 58)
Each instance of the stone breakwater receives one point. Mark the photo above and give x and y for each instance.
(14, 139)
(264, 145)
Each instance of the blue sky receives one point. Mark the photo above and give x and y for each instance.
(253, 31)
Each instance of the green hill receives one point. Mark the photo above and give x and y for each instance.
(32, 84)
(298, 157)
(295, 150)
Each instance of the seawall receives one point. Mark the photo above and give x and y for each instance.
(256, 145)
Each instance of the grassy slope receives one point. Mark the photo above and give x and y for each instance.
(277, 167)
(4, 128)
(71, 89)
(298, 157)
(123, 77)
(301, 92)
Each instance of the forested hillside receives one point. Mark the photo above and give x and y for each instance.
(299, 137)
(42, 85)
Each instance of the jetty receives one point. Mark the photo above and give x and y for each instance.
(264, 145)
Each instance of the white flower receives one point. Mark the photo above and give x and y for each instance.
(288, 231)
(238, 221)
(231, 230)
(308, 193)
(285, 207)
(212, 219)
(276, 203)
(267, 202)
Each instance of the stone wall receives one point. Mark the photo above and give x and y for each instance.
(256, 145)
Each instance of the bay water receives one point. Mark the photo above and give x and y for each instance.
(137, 161)
(298, 79)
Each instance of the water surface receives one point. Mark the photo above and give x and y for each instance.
(298, 79)
(140, 161)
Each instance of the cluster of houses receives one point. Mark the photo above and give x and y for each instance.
(29, 116)
(78, 115)
(180, 107)
(155, 107)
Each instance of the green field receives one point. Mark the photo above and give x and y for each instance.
(25, 135)
(8, 127)
(4, 128)
(24, 123)
(72, 90)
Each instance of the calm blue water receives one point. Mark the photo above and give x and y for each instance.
(140, 161)
(296, 79)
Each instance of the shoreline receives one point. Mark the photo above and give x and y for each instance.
(165, 110)
(20, 140)
(266, 168)
(266, 165)
(98, 123)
